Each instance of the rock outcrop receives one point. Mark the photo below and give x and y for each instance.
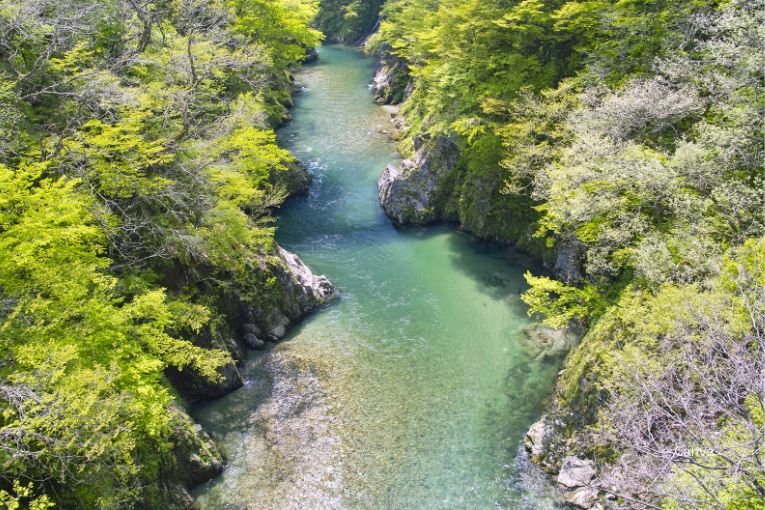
(545, 444)
(576, 472)
(294, 292)
(391, 82)
(576, 480)
(194, 386)
(420, 191)
(196, 459)
(536, 438)
(297, 292)
(569, 256)
(296, 180)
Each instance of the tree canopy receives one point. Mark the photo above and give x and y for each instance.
(138, 167)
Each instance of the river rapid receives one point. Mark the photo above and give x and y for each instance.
(411, 391)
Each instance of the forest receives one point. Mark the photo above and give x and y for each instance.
(138, 168)
(620, 142)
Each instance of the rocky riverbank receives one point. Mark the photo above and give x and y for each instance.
(290, 291)
(296, 292)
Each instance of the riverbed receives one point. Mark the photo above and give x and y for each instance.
(413, 389)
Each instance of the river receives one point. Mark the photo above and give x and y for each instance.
(412, 390)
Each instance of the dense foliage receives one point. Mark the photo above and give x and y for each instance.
(347, 20)
(631, 135)
(137, 170)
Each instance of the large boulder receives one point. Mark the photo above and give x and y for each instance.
(420, 190)
(289, 291)
(576, 472)
(582, 497)
(576, 479)
(307, 289)
(298, 291)
(295, 179)
(537, 437)
(194, 386)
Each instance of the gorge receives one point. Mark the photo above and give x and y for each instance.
(525, 270)
(414, 389)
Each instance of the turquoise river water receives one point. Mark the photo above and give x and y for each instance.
(413, 389)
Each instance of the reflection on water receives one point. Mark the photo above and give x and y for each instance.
(412, 390)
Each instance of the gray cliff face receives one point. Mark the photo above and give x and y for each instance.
(569, 255)
(391, 83)
(420, 190)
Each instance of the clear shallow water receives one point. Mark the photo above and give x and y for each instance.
(413, 390)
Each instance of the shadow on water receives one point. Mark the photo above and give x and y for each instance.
(468, 256)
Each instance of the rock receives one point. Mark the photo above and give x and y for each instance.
(251, 329)
(194, 386)
(253, 342)
(279, 331)
(391, 81)
(576, 472)
(419, 191)
(311, 56)
(542, 342)
(251, 335)
(295, 180)
(568, 260)
(312, 289)
(536, 438)
(197, 458)
(576, 478)
(295, 293)
(583, 497)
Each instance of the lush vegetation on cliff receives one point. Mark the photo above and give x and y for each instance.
(137, 171)
(347, 21)
(628, 138)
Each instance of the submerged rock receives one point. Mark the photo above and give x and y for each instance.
(542, 342)
(419, 191)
